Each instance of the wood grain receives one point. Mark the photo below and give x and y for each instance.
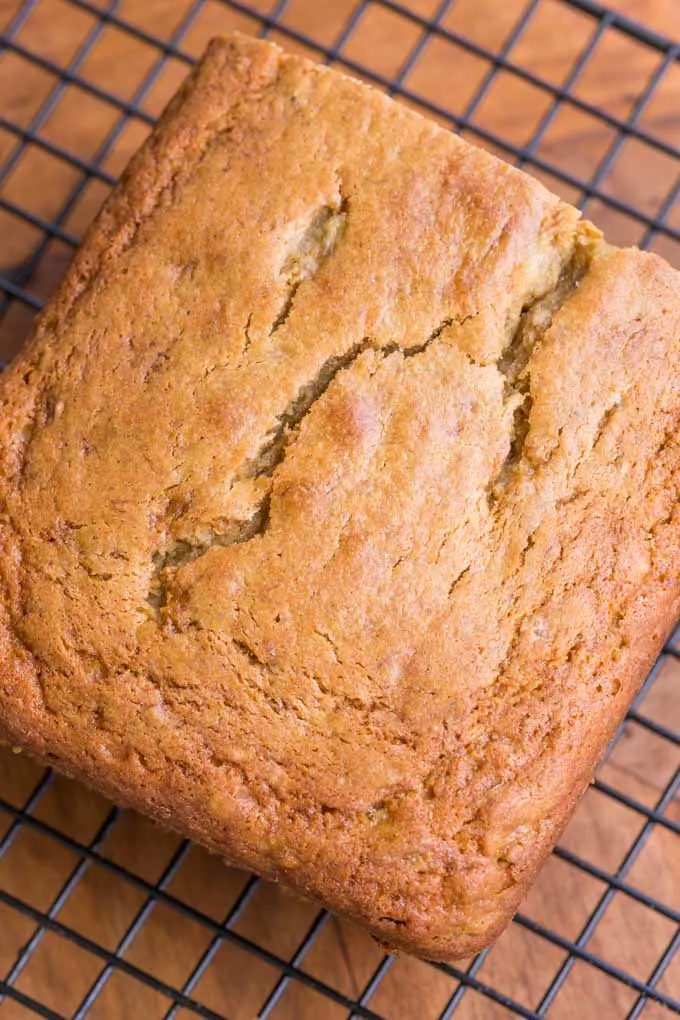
(102, 904)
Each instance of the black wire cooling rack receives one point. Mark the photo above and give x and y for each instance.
(622, 140)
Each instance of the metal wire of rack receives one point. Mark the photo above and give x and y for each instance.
(477, 988)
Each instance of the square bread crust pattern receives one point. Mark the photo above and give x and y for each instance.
(339, 500)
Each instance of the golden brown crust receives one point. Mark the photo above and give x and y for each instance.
(339, 500)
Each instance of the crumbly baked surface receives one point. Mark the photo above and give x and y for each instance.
(339, 500)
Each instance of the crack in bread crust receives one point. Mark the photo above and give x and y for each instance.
(310, 252)
(268, 458)
(534, 322)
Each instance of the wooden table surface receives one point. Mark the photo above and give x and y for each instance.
(630, 936)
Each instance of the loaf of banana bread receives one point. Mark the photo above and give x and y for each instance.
(339, 500)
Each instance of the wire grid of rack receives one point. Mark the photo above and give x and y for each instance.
(628, 144)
